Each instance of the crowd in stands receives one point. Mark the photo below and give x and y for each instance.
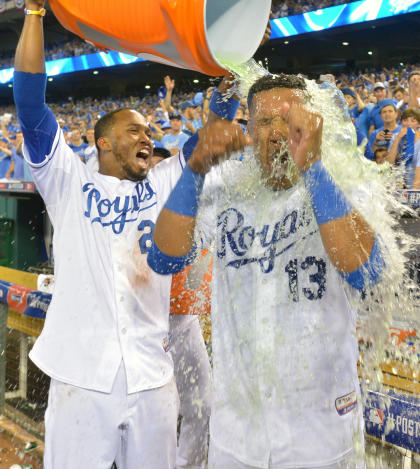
(384, 107)
(282, 8)
(72, 48)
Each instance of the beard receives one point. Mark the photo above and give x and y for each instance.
(131, 173)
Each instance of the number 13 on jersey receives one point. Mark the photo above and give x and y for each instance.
(315, 270)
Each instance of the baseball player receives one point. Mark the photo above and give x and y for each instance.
(105, 338)
(286, 392)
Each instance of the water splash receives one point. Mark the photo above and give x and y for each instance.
(373, 191)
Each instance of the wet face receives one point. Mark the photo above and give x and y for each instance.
(389, 115)
(132, 145)
(270, 133)
(380, 94)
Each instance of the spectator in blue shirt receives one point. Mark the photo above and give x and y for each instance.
(188, 117)
(402, 146)
(375, 121)
(174, 141)
(16, 169)
(382, 137)
(355, 104)
(76, 143)
(5, 157)
(90, 150)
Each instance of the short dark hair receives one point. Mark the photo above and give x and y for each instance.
(162, 152)
(411, 112)
(269, 82)
(380, 150)
(398, 88)
(105, 123)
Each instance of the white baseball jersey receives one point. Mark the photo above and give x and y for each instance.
(107, 305)
(284, 350)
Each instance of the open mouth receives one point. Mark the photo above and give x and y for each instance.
(143, 154)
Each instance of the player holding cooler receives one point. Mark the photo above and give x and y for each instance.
(105, 340)
(112, 394)
(286, 391)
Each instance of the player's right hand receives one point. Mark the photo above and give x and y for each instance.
(216, 141)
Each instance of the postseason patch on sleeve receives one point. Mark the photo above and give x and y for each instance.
(346, 404)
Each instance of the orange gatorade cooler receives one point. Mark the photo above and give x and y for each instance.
(194, 34)
(185, 300)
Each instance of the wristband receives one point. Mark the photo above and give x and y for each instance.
(328, 200)
(184, 197)
(40, 12)
(367, 274)
(163, 264)
(222, 107)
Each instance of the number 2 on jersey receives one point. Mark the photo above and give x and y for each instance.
(319, 277)
(146, 239)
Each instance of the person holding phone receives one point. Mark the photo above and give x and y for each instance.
(381, 138)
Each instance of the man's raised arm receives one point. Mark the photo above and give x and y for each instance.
(348, 239)
(173, 243)
(29, 85)
(29, 55)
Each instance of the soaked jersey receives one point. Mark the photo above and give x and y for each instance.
(107, 305)
(284, 351)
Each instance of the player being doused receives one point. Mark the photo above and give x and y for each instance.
(286, 391)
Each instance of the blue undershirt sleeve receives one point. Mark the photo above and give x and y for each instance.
(38, 123)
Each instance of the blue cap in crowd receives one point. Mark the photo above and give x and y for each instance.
(388, 102)
(185, 105)
(348, 91)
(198, 99)
(166, 125)
(175, 116)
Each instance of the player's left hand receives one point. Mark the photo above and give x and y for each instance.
(305, 135)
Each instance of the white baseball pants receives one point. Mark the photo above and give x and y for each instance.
(90, 430)
(193, 379)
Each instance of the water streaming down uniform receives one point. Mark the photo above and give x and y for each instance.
(284, 350)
